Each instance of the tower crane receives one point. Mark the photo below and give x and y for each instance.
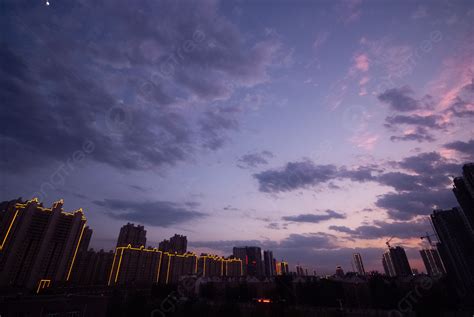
(388, 242)
(428, 237)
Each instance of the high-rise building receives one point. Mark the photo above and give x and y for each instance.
(456, 247)
(269, 263)
(339, 271)
(38, 245)
(251, 258)
(86, 239)
(387, 264)
(463, 188)
(432, 262)
(233, 267)
(210, 265)
(282, 268)
(357, 258)
(133, 235)
(301, 271)
(176, 244)
(138, 266)
(174, 266)
(92, 267)
(395, 262)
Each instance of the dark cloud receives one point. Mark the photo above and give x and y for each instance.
(315, 218)
(465, 148)
(380, 229)
(462, 105)
(429, 121)
(153, 213)
(400, 99)
(215, 123)
(295, 175)
(305, 173)
(121, 82)
(406, 205)
(420, 134)
(421, 184)
(253, 160)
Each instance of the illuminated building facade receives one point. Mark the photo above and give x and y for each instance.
(251, 258)
(133, 235)
(38, 245)
(137, 266)
(233, 267)
(174, 265)
(210, 265)
(282, 268)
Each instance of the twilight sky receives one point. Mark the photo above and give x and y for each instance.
(312, 128)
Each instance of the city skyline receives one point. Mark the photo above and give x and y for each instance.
(304, 130)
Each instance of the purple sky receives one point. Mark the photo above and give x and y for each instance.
(312, 128)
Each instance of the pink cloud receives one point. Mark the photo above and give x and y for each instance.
(362, 62)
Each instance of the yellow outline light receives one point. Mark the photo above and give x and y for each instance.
(9, 228)
(118, 266)
(112, 268)
(43, 284)
(75, 252)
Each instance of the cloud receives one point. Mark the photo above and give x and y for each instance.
(140, 81)
(215, 123)
(361, 62)
(406, 205)
(429, 121)
(154, 213)
(400, 99)
(252, 160)
(419, 134)
(315, 218)
(465, 148)
(295, 175)
(380, 229)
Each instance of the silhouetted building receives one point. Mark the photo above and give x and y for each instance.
(176, 244)
(456, 246)
(387, 264)
(339, 271)
(251, 258)
(432, 262)
(233, 267)
(269, 263)
(135, 235)
(463, 188)
(300, 271)
(395, 262)
(174, 266)
(92, 267)
(135, 266)
(39, 245)
(86, 239)
(359, 265)
(210, 265)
